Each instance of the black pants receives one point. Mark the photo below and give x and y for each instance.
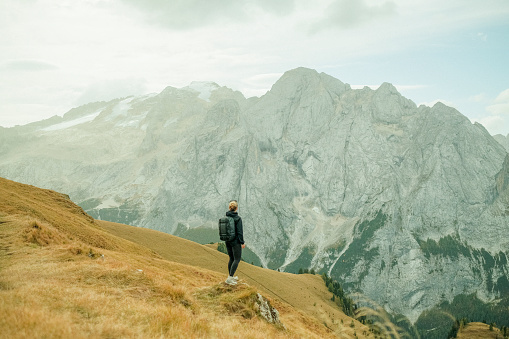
(235, 254)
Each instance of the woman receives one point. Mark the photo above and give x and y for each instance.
(235, 246)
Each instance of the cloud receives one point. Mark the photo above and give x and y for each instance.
(21, 114)
(400, 88)
(478, 98)
(187, 14)
(263, 80)
(482, 36)
(494, 124)
(28, 66)
(500, 104)
(111, 89)
(496, 119)
(503, 97)
(258, 85)
(280, 7)
(234, 43)
(346, 14)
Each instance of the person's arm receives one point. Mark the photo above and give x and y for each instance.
(240, 233)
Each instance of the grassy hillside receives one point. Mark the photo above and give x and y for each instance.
(64, 274)
(479, 330)
(304, 291)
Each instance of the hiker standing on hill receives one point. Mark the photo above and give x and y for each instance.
(236, 245)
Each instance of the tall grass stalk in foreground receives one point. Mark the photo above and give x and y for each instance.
(378, 318)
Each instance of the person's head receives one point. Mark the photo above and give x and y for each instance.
(233, 205)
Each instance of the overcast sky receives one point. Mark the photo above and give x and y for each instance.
(59, 54)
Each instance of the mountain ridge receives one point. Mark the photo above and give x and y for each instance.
(351, 182)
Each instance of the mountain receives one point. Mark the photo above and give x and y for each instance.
(404, 204)
(106, 280)
(502, 140)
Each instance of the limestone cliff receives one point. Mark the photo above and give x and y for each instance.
(405, 204)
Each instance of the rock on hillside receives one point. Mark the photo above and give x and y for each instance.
(405, 204)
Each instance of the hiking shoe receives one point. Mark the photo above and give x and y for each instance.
(231, 281)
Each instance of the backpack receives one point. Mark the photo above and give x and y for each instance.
(227, 229)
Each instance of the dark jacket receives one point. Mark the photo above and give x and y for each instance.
(239, 234)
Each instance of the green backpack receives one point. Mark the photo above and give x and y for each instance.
(226, 229)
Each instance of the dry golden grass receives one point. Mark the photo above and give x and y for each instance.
(304, 292)
(45, 207)
(479, 330)
(65, 275)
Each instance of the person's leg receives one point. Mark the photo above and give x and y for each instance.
(237, 255)
(230, 254)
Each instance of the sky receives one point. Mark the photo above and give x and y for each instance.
(60, 54)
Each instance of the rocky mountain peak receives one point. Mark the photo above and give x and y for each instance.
(394, 200)
(294, 82)
(387, 89)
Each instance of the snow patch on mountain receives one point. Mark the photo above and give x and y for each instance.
(126, 115)
(71, 123)
(108, 203)
(205, 88)
(121, 109)
(170, 122)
